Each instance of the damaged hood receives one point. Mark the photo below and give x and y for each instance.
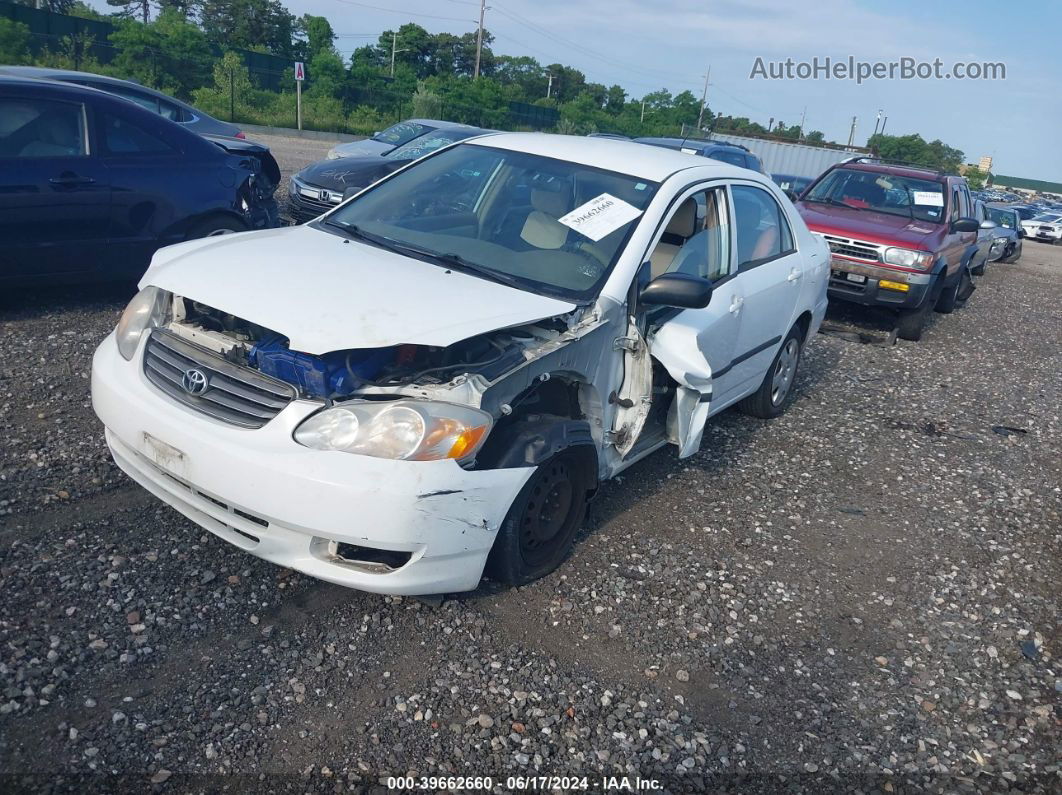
(325, 293)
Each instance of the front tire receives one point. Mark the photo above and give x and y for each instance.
(911, 323)
(770, 400)
(951, 298)
(539, 530)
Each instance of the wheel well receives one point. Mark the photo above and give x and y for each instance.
(200, 220)
(804, 323)
(558, 412)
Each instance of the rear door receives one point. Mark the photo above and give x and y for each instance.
(152, 182)
(770, 273)
(54, 190)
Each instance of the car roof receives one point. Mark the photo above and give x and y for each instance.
(623, 157)
(69, 75)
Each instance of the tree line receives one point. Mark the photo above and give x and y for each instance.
(408, 71)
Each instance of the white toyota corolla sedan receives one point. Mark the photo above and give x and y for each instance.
(429, 382)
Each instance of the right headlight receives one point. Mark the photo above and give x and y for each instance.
(908, 258)
(148, 309)
(411, 430)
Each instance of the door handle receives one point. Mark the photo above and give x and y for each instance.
(68, 180)
(736, 303)
(794, 275)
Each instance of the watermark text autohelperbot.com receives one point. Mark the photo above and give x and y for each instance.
(851, 68)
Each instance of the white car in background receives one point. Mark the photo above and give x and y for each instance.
(433, 378)
(1046, 227)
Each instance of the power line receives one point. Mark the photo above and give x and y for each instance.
(579, 47)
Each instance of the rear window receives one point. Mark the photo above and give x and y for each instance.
(404, 131)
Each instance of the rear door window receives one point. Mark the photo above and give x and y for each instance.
(122, 137)
(42, 128)
(763, 232)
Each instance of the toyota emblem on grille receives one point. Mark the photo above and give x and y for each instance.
(194, 382)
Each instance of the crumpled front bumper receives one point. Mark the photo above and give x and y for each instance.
(263, 492)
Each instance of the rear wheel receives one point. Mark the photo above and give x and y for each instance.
(214, 226)
(537, 534)
(771, 398)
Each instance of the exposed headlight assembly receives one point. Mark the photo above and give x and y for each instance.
(907, 258)
(411, 430)
(148, 309)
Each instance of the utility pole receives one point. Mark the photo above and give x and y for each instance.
(479, 37)
(884, 119)
(803, 115)
(851, 134)
(877, 121)
(549, 85)
(704, 99)
(642, 119)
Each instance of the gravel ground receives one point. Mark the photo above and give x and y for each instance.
(861, 595)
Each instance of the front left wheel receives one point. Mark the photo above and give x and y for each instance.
(538, 532)
(771, 398)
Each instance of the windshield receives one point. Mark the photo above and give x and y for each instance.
(918, 199)
(1047, 218)
(398, 134)
(1004, 218)
(419, 147)
(506, 216)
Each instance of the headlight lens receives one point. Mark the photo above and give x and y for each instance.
(412, 430)
(147, 310)
(906, 258)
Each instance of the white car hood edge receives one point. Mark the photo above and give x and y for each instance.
(326, 293)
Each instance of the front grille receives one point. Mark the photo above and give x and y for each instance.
(853, 248)
(236, 395)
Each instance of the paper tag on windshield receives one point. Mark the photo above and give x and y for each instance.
(928, 197)
(600, 216)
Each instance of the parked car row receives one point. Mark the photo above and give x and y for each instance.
(481, 327)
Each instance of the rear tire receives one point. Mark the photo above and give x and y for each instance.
(538, 532)
(214, 226)
(771, 399)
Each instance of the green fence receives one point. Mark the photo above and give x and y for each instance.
(48, 30)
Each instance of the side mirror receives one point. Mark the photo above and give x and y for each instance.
(965, 225)
(792, 194)
(678, 290)
(1021, 231)
(988, 225)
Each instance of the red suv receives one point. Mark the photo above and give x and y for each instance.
(901, 236)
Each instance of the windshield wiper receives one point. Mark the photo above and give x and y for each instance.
(459, 263)
(833, 201)
(357, 232)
